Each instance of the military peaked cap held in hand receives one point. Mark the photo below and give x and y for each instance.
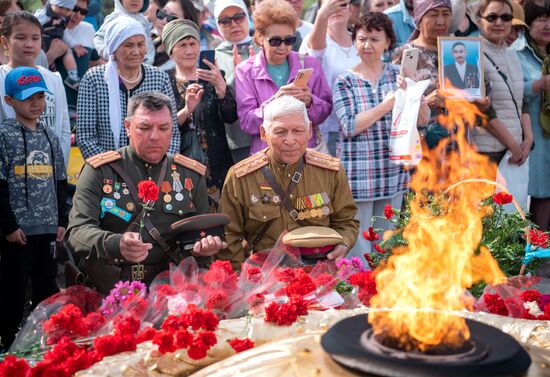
(313, 242)
(192, 229)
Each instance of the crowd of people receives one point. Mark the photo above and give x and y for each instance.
(142, 83)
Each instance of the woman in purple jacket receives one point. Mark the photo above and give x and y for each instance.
(271, 73)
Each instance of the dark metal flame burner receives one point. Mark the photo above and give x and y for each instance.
(490, 353)
(472, 351)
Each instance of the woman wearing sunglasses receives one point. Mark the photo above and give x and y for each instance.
(271, 73)
(510, 129)
(172, 10)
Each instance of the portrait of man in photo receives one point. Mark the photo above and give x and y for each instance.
(460, 73)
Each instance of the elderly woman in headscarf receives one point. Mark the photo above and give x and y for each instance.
(204, 102)
(105, 90)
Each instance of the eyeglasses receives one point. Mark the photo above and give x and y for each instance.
(506, 17)
(82, 11)
(277, 41)
(162, 15)
(226, 21)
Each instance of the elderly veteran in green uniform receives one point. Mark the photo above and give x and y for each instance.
(104, 221)
(285, 186)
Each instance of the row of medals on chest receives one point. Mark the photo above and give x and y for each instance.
(307, 207)
(165, 187)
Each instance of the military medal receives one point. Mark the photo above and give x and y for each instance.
(188, 185)
(125, 190)
(179, 196)
(107, 188)
(165, 187)
(109, 203)
(276, 199)
(301, 216)
(130, 206)
(116, 195)
(168, 207)
(265, 198)
(325, 210)
(253, 199)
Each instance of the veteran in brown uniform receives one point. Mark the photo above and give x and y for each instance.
(104, 221)
(256, 189)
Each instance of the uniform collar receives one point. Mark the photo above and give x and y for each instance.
(278, 165)
(140, 162)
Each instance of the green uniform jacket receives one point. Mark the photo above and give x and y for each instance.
(103, 209)
(322, 198)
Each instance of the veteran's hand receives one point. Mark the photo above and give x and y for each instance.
(132, 248)
(208, 246)
(339, 252)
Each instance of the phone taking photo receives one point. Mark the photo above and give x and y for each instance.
(409, 62)
(302, 77)
(209, 55)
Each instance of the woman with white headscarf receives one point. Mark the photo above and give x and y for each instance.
(105, 90)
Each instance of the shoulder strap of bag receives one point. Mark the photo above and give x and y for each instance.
(302, 58)
(174, 256)
(505, 78)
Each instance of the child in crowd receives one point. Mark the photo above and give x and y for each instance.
(134, 9)
(33, 190)
(21, 39)
(54, 17)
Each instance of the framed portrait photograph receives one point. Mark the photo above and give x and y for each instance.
(461, 66)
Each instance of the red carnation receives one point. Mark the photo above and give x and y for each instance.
(502, 198)
(253, 274)
(370, 235)
(14, 367)
(300, 304)
(301, 286)
(388, 211)
(217, 300)
(286, 275)
(148, 191)
(183, 338)
(538, 238)
(165, 342)
(208, 338)
(127, 326)
(379, 249)
(147, 334)
(197, 351)
(530, 295)
(495, 304)
(240, 345)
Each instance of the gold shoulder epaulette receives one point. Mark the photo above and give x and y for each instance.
(251, 164)
(322, 160)
(190, 163)
(103, 158)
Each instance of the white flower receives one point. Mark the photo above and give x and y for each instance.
(176, 304)
(533, 308)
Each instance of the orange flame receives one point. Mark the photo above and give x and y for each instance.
(439, 262)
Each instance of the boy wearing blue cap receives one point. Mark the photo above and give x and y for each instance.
(33, 190)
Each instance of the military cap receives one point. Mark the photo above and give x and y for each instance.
(313, 242)
(193, 229)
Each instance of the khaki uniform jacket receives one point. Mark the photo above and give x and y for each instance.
(248, 199)
(103, 209)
